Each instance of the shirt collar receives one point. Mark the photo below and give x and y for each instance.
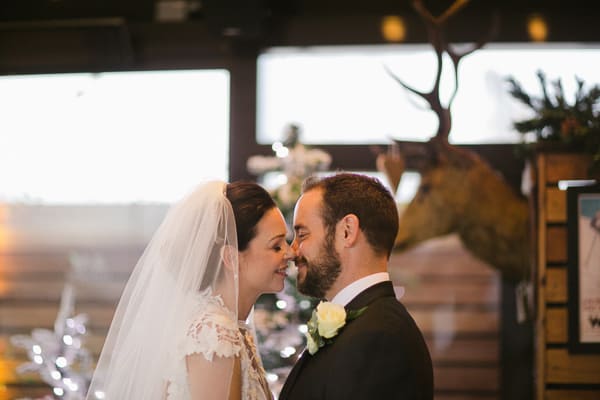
(346, 295)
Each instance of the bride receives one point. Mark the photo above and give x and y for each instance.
(183, 327)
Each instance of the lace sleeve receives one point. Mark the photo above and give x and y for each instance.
(213, 333)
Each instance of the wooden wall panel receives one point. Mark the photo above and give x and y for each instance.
(562, 166)
(454, 297)
(455, 300)
(453, 378)
(21, 317)
(467, 292)
(563, 367)
(448, 321)
(556, 325)
(561, 375)
(572, 395)
(556, 285)
(556, 244)
(479, 351)
(556, 205)
(50, 290)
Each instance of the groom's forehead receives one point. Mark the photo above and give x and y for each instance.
(308, 209)
(312, 197)
(309, 203)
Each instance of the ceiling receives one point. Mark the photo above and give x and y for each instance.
(66, 35)
(267, 18)
(135, 11)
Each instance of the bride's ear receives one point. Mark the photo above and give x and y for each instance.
(230, 257)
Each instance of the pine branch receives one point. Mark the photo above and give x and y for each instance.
(517, 92)
(558, 121)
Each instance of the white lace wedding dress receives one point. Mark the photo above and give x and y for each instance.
(212, 330)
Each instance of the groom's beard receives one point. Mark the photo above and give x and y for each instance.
(322, 272)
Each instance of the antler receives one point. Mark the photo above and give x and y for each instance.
(437, 38)
(424, 12)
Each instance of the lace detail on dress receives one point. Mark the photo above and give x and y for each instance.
(211, 330)
(214, 330)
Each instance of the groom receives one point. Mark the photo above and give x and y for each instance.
(345, 226)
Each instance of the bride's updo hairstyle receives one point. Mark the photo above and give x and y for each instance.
(250, 202)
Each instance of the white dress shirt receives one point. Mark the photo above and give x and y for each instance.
(348, 293)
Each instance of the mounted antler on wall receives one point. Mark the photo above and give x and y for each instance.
(459, 192)
(437, 37)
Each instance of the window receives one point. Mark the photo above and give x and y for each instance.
(112, 137)
(343, 95)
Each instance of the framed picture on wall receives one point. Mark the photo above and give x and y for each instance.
(583, 226)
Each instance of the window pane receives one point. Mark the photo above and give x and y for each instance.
(344, 95)
(112, 137)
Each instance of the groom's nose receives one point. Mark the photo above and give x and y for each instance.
(290, 252)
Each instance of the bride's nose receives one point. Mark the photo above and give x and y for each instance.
(289, 252)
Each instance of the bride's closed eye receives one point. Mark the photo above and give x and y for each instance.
(277, 246)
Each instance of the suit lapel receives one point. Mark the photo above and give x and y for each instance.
(363, 299)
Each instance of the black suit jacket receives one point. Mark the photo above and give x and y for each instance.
(379, 355)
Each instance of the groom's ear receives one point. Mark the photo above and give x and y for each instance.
(349, 227)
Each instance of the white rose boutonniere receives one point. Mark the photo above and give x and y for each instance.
(325, 323)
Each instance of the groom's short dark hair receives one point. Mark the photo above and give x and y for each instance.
(363, 196)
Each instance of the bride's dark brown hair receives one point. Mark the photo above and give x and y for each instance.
(250, 202)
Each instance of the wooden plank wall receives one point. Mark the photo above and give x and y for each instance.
(31, 284)
(455, 300)
(42, 247)
(559, 374)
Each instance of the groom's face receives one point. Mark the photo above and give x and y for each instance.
(316, 258)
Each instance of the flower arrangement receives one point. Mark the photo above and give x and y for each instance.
(326, 322)
(295, 161)
(555, 120)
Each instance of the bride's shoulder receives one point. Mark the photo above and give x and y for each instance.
(210, 307)
(213, 329)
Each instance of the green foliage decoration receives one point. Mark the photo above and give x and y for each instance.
(575, 125)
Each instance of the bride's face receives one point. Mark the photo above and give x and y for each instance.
(263, 264)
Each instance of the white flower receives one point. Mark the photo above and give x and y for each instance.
(325, 323)
(330, 318)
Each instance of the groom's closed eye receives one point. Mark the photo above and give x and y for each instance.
(301, 235)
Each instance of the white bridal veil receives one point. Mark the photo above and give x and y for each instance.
(185, 257)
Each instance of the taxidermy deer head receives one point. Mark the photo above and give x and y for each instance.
(459, 192)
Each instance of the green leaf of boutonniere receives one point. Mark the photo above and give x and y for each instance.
(353, 314)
